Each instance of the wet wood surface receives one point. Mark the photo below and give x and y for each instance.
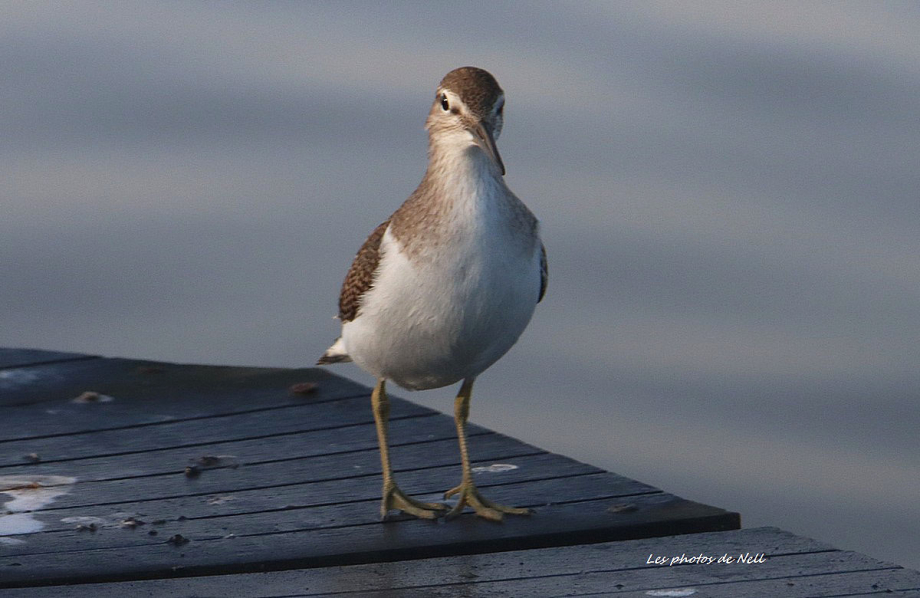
(776, 563)
(134, 478)
(143, 470)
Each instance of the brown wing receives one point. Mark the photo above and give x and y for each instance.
(360, 276)
(544, 272)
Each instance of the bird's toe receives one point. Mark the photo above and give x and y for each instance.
(469, 496)
(396, 499)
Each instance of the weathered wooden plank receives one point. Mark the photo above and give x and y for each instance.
(336, 503)
(148, 392)
(21, 358)
(451, 571)
(318, 482)
(803, 578)
(615, 584)
(23, 423)
(250, 451)
(283, 481)
(312, 519)
(283, 495)
(794, 566)
(61, 451)
(262, 475)
(822, 585)
(555, 525)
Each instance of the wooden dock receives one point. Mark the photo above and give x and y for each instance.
(121, 477)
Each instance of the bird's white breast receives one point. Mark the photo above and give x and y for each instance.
(447, 312)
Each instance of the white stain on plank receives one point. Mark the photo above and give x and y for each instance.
(494, 468)
(29, 494)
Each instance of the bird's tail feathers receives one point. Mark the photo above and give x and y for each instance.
(335, 354)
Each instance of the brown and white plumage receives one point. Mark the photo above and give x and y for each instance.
(446, 285)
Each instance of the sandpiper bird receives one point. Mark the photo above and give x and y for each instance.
(446, 285)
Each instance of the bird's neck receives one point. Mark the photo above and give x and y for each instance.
(458, 169)
(459, 191)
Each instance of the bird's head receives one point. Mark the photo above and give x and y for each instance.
(468, 111)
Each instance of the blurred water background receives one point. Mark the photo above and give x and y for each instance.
(730, 198)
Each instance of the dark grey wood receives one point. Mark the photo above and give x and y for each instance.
(38, 401)
(794, 567)
(252, 511)
(20, 358)
(296, 418)
(793, 584)
(282, 492)
(260, 475)
(554, 525)
(410, 427)
(790, 585)
(475, 569)
(315, 482)
(315, 506)
(275, 480)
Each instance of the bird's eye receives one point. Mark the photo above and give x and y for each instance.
(501, 109)
(445, 105)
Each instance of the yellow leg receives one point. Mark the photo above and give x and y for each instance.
(469, 494)
(393, 497)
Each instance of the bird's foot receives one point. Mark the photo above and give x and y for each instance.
(485, 508)
(394, 498)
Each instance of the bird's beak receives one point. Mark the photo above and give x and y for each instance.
(483, 134)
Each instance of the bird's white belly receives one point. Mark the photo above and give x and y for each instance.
(430, 322)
